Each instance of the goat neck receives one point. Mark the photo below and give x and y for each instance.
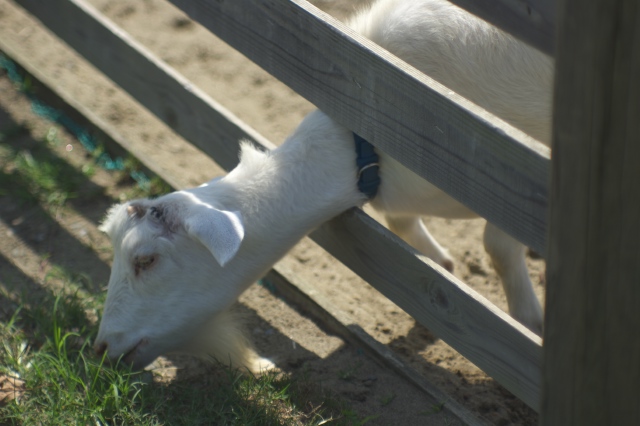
(286, 193)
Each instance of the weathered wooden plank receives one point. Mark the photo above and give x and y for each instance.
(592, 337)
(493, 168)
(532, 21)
(154, 84)
(469, 323)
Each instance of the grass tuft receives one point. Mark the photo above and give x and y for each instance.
(59, 381)
(62, 383)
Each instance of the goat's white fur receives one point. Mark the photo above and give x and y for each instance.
(180, 261)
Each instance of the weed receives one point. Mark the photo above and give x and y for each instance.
(388, 399)
(435, 409)
(34, 176)
(350, 372)
(350, 417)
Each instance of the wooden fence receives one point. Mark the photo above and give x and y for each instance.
(493, 168)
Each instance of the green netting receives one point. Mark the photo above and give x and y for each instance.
(54, 115)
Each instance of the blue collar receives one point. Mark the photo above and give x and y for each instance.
(367, 162)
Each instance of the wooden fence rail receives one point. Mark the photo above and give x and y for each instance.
(491, 166)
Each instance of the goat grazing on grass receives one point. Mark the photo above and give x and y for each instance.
(181, 260)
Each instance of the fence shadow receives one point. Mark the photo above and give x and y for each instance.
(29, 210)
(346, 377)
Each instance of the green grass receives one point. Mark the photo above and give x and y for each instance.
(350, 372)
(63, 383)
(31, 174)
(388, 399)
(49, 374)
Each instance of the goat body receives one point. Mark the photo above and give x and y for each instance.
(181, 260)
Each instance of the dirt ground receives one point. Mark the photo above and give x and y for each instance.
(295, 341)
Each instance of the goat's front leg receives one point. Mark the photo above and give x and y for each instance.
(508, 257)
(414, 232)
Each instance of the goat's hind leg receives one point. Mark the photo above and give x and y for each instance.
(412, 230)
(508, 257)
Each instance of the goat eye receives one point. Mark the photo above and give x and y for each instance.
(142, 263)
(155, 212)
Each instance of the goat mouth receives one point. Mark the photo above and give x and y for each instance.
(131, 354)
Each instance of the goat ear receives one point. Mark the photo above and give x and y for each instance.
(218, 230)
(111, 218)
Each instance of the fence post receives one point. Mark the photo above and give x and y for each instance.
(591, 367)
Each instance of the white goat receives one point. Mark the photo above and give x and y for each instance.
(181, 260)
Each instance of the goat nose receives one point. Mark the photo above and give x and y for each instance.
(100, 348)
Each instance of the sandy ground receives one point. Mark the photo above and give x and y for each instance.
(279, 330)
